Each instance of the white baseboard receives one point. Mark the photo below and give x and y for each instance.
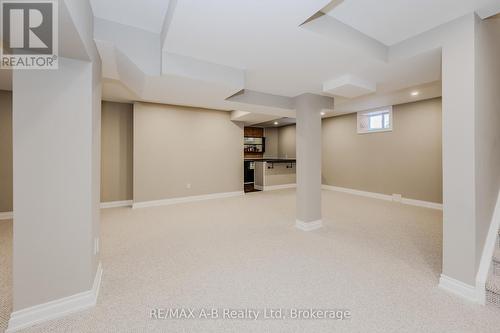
(386, 197)
(115, 204)
(358, 192)
(420, 203)
(6, 215)
(274, 187)
(308, 226)
(487, 255)
(174, 201)
(55, 309)
(458, 288)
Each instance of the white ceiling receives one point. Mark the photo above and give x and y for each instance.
(279, 56)
(143, 14)
(213, 49)
(392, 21)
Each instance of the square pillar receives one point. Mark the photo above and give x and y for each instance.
(56, 143)
(308, 108)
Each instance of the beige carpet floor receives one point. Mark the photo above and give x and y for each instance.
(380, 260)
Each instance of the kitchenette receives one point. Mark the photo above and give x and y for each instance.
(266, 170)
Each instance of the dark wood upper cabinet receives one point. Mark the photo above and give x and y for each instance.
(254, 132)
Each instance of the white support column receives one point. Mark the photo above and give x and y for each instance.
(458, 154)
(308, 108)
(56, 124)
(471, 177)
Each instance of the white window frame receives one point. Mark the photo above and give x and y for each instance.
(374, 112)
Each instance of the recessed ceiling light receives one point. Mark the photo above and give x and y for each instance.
(415, 93)
(322, 113)
(276, 123)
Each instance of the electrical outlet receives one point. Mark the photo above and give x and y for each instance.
(188, 186)
(397, 197)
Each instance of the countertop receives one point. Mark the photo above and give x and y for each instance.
(271, 160)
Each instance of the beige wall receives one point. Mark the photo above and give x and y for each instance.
(5, 151)
(339, 138)
(405, 161)
(116, 152)
(286, 141)
(271, 135)
(175, 146)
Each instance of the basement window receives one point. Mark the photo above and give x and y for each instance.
(378, 120)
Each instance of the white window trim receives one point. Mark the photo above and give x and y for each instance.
(375, 111)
